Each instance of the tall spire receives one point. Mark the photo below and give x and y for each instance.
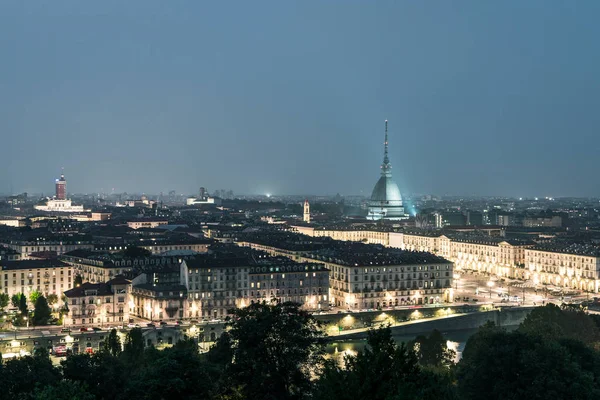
(386, 166)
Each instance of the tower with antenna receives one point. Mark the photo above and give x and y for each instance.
(386, 200)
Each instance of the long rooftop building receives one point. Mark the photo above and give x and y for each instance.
(492, 255)
(366, 276)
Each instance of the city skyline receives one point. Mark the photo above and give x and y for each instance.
(149, 99)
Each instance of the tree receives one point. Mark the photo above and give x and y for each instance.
(95, 371)
(175, 373)
(112, 344)
(41, 312)
(522, 365)
(275, 349)
(552, 322)
(4, 300)
(78, 281)
(63, 390)
(133, 350)
(16, 299)
(136, 252)
(23, 304)
(33, 296)
(384, 370)
(432, 350)
(19, 376)
(52, 299)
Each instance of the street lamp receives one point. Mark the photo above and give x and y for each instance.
(456, 278)
(490, 285)
(26, 319)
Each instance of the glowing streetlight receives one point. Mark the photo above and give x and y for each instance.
(490, 285)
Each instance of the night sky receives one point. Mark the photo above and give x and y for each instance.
(483, 97)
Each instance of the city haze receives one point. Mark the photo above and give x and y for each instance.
(483, 98)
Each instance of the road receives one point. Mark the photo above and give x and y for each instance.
(489, 289)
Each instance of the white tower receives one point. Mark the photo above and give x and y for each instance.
(306, 212)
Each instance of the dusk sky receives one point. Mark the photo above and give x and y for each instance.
(482, 97)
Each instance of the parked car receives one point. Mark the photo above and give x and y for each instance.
(96, 329)
(65, 330)
(83, 329)
(150, 325)
(162, 323)
(132, 325)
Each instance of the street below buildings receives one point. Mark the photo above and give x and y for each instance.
(481, 289)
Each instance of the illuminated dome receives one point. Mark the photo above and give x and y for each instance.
(386, 200)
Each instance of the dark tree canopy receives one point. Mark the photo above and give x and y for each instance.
(112, 344)
(432, 350)
(275, 348)
(384, 370)
(527, 364)
(552, 322)
(41, 311)
(23, 304)
(136, 252)
(275, 351)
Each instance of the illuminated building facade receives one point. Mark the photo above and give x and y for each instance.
(26, 276)
(573, 266)
(99, 303)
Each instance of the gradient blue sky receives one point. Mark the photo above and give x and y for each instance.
(483, 97)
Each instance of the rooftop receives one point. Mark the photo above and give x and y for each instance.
(359, 254)
(572, 248)
(32, 264)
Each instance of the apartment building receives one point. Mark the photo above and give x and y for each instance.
(26, 276)
(99, 303)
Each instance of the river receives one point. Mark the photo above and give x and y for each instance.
(457, 341)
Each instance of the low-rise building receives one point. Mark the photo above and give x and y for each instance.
(26, 276)
(146, 223)
(103, 266)
(218, 283)
(159, 246)
(571, 266)
(60, 246)
(99, 303)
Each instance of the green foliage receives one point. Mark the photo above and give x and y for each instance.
(112, 344)
(52, 299)
(16, 299)
(276, 352)
(136, 252)
(63, 390)
(104, 375)
(432, 350)
(133, 349)
(384, 370)
(33, 296)
(21, 302)
(175, 373)
(4, 300)
(41, 311)
(522, 365)
(275, 349)
(551, 322)
(19, 377)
